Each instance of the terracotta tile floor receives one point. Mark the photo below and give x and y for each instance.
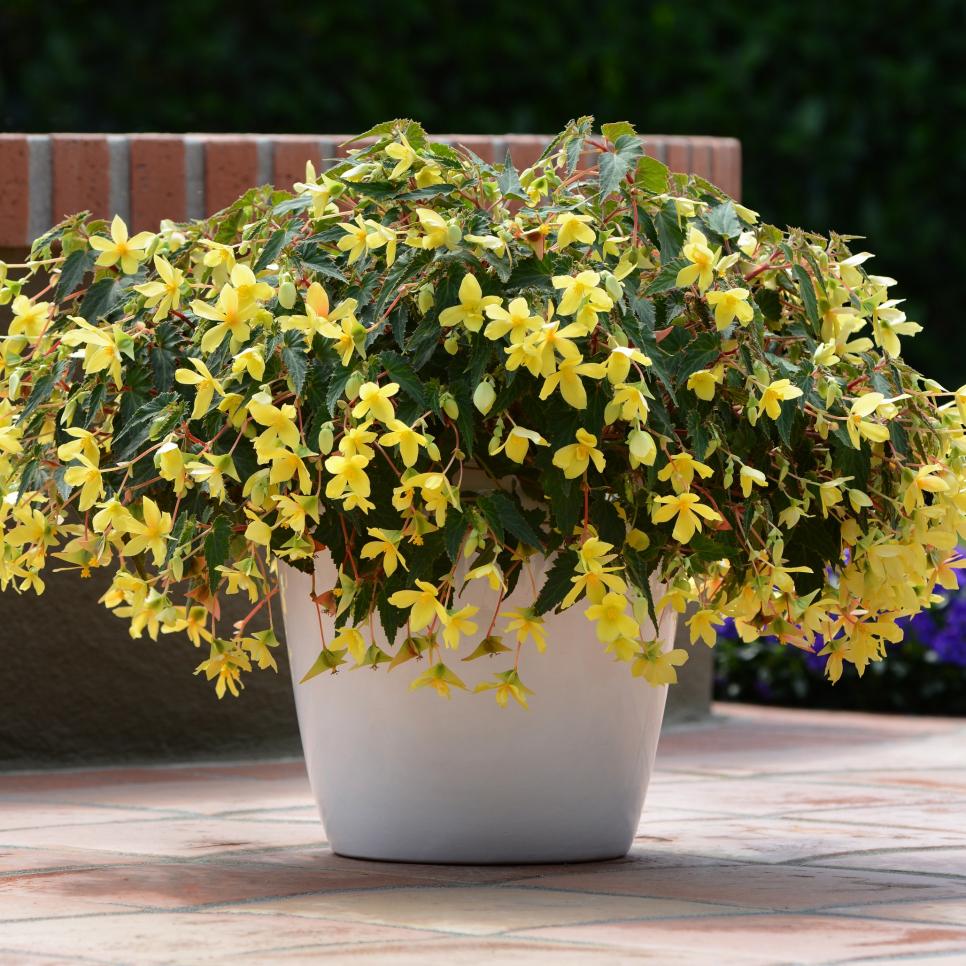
(768, 837)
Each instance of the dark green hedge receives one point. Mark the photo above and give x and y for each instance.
(850, 113)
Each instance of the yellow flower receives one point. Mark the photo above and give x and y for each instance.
(285, 465)
(206, 385)
(152, 534)
(701, 626)
(166, 294)
(704, 382)
(348, 473)
(231, 315)
(406, 438)
(858, 426)
(680, 470)
(567, 378)
(403, 154)
(295, 511)
(610, 618)
(729, 305)
(656, 666)
(440, 678)
(687, 508)
(374, 399)
(459, 624)
(526, 624)
(128, 251)
(472, 305)
(104, 347)
(619, 362)
(583, 298)
(318, 318)
(251, 361)
(641, 447)
(213, 474)
(507, 684)
(628, 404)
(220, 258)
(365, 235)
(574, 228)
(386, 543)
(423, 605)
(357, 440)
(775, 393)
(88, 476)
(515, 319)
(278, 421)
(751, 477)
(702, 260)
(29, 318)
(320, 193)
(517, 443)
(924, 481)
(575, 458)
(438, 231)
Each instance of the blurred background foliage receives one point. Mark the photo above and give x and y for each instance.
(850, 114)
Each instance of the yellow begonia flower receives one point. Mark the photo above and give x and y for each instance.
(641, 448)
(489, 242)
(429, 174)
(258, 531)
(318, 187)
(582, 298)
(87, 476)
(575, 458)
(472, 305)
(657, 666)
(619, 363)
(750, 477)
(628, 404)
(152, 534)
(775, 393)
(402, 153)
(29, 318)
(220, 258)
(438, 231)
(423, 605)
(357, 440)
(104, 347)
(206, 385)
(214, 472)
(888, 323)
(680, 470)
(348, 473)
(730, 305)
(374, 399)
(231, 315)
(251, 361)
(279, 422)
(687, 508)
(924, 481)
(517, 443)
(610, 618)
(567, 378)
(285, 465)
(440, 678)
(857, 424)
(166, 294)
(526, 624)
(702, 259)
(459, 625)
(318, 318)
(515, 320)
(363, 235)
(704, 382)
(701, 625)
(386, 544)
(406, 438)
(295, 510)
(128, 251)
(574, 228)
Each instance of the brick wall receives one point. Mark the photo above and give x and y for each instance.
(147, 177)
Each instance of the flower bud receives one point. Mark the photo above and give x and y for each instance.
(484, 396)
(452, 345)
(354, 384)
(286, 291)
(326, 438)
(450, 406)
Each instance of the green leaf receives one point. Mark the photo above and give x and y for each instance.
(158, 415)
(565, 502)
(454, 529)
(43, 389)
(723, 220)
(698, 433)
(808, 294)
(293, 355)
(699, 353)
(402, 372)
(667, 278)
(274, 245)
(617, 130)
(651, 175)
(509, 180)
(502, 512)
(558, 582)
(101, 300)
(216, 548)
(770, 304)
(316, 260)
(336, 388)
(612, 166)
(77, 265)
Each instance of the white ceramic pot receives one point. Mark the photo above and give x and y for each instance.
(410, 776)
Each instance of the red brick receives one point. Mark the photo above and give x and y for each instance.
(726, 166)
(701, 149)
(525, 149)
(231, 168)
(81, 175)
(290, 155)
(157, 180)
(14, 190)
(678, 153)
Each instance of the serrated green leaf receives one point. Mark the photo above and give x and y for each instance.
(651, 175)
(557, 583)
(76, 266)
(101, 299)
(402, 372)
(217, 544)
(667, 278)
(723, 220)
(807, 291)
(509, 180)
(503, 514)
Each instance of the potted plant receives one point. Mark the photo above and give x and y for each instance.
(453, 416)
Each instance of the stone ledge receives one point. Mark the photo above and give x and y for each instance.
(147, 177)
